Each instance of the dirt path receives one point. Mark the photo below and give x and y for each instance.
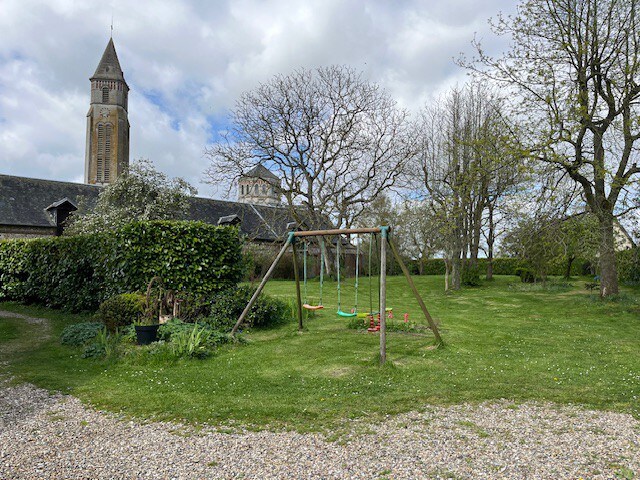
(11, 348)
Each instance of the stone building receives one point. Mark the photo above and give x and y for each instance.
(259, 186)
(31, 208)
(107, 149)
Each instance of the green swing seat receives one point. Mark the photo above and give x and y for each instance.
(341, 312)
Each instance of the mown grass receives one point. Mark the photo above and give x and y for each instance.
(503, 340)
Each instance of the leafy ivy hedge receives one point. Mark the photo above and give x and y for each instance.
(79, 272)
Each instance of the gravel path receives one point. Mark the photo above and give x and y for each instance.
(56, 437)
(45, 436)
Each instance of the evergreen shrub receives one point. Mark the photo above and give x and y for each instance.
(227, 307)
(79, 272)
(121, 310)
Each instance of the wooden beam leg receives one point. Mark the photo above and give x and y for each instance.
(383, 297)
(296, 275)
(432, 324)
(264, 281)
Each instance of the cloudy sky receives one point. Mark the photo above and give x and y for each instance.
(186, 61)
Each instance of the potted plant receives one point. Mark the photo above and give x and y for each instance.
(147, 325)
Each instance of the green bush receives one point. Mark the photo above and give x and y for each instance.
(629, 266)
(121, 310)
(228, 305)
(470, 276)
(79, 272)
(13, 268)
(526, 275)
(79, 334)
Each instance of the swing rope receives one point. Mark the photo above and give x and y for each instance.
(340, 312)
(338, 272)
(306, 303)
(370, 284)
(355, 306)
(304, 269)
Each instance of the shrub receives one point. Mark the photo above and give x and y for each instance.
(470, 276)
(79, 272)
(121, 310)
(228, 305)
(79, 334)
(192, 307)
(629, 266)
(526, 275)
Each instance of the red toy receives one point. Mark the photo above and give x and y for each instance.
(374, 323)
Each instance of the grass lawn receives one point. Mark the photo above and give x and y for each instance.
(504, 340)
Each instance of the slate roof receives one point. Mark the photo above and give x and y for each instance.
(23, 203)
(260, 171)
(109, 66)
(258, 222)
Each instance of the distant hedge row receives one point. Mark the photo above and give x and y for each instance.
(501, 266)
(79, 272)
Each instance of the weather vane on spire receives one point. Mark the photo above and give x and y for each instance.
(111, 24)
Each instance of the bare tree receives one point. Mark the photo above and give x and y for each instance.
(336, 140)
(464, 148)
(574, 67)
(418, 233)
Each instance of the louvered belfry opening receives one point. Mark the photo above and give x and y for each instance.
(100, 157)
(103, 157)
(107, 153)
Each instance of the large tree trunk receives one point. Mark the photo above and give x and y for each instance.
(456, 272)
(491, 237)
(570, 259)
(608, 269)
(447, 271)
(490, 265)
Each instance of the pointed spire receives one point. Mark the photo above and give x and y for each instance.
(109, 66)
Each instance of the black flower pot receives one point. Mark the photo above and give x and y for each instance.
(146, 334)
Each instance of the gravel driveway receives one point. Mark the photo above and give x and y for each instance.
(56, 437)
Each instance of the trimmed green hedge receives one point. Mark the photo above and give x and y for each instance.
(79, 272)
(629, 265)
(501, 266)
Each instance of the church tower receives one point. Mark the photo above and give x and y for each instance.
(107, 150)
(259, 186)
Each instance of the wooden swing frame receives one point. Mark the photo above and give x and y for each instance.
(384, 235)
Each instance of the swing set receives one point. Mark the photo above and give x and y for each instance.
(295, 236)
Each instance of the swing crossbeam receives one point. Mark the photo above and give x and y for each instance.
(339, 231)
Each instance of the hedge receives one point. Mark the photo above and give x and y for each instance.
(629, 265)
(501, 266)
(79, 272)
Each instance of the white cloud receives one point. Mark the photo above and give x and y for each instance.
(187, 61)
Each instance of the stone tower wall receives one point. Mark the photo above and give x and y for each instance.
(258, 191)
